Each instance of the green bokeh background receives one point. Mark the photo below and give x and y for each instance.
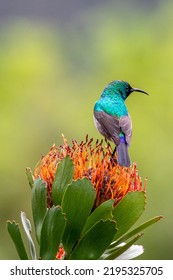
(50, 77)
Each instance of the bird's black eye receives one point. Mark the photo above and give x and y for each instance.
(127, 87)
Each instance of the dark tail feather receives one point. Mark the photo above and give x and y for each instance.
(123, 156)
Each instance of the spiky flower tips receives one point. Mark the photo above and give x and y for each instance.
(79, 192)
(94, 162)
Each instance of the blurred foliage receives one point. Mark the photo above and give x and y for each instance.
(50, 78)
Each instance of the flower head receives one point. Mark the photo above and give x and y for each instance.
(94, 161)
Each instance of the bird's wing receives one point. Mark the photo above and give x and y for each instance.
(108, 126)
(126, 127)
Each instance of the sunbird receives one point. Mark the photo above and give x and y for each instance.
(112, 119)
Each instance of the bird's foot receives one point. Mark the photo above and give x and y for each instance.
(114, 151)
(114, 159)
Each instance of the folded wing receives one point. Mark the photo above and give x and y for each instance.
(111, 126)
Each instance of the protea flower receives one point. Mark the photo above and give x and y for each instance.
(80, 193)
(95, 162)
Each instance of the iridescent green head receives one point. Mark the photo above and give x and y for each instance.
(122, 88)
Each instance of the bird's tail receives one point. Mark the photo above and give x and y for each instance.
(122, 153)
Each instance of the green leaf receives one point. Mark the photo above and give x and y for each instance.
(63, 177)
(39, 205)
(102, 212)
(14, 231)
(27, 227)
(77, 204)
(30, 177)
(92, 245)
(128, 211)
(51, 233)
(118, 251)
(136, 230)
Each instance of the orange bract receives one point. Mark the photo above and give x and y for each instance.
(61, 253)
(94, 161)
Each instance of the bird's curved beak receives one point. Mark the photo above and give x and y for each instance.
(139, 90)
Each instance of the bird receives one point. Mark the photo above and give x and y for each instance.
(112, 119)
